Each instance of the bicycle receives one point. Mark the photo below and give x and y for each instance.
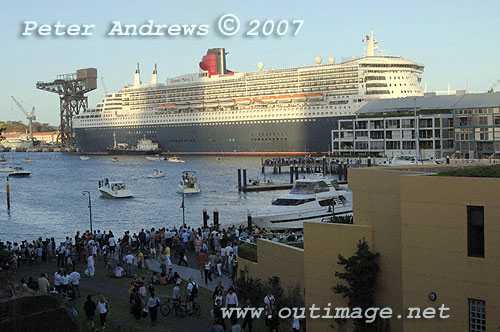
(179, 307)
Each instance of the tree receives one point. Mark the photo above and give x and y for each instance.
(360, 274)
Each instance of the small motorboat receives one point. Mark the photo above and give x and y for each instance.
(27, 160)
(19, 173)
(189, 183)
(114, 159)
(84, 157)
(3, 160)
(175, 159)
(114, 190)
(156, 174)
(156, 157)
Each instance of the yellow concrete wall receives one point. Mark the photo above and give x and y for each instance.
(434, 249)
(377, 203)
(323, 243)
(276, 259)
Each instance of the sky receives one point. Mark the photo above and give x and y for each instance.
(457, 41)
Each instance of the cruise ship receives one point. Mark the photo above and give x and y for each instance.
(267, 112)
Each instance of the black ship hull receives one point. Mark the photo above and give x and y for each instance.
(274, 137)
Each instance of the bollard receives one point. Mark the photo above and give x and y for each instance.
(249, 221)
(8, 195)
(205, 218)
(239, 179)
(291, 174)
(244, 178)
(216, 219)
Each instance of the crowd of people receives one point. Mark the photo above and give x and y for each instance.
(130, 255)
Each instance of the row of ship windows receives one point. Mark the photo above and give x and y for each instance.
(224, 118)
(267, 139)
(223, 113)
(219, 123)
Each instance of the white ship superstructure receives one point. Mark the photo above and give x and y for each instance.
(218, 110)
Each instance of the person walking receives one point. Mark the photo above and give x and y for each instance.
(247, 320)
(153, 304)
(129, 260)
(136, 301)
(43, 283)
(91, 266)
(89, 308)
(102, 309)
(74, 279)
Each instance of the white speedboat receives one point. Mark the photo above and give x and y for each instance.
(19, 173)
(309, 200)
(406, 161)
(114, 159)
(156, 157)
(156, 174)
(114, 190)
(175, 159)
(27, 160)
(189, 183)
(7, 170)
(3, 160)
(84, 157)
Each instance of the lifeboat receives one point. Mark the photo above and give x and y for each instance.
(164, 105)
(298, 97)
(213, 103)
(269, 99)
(182, 105)
(243, 101)
(314, 96)
(283, 99)
(227, 102)
(196, 104)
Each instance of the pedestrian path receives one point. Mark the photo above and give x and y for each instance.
(188, 272)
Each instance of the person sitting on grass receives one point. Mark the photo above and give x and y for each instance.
(154, 279)
(120, 272)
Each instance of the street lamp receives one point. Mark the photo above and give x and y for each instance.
(183, 215)
(90, 208)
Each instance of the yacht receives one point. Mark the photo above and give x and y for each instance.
(156, 174)
(156, 157)
(175, 159)
(407, 161)
(189, 183)
(309, 200)
(84, 157)
(114, 190)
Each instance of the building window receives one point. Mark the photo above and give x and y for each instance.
(475, 231)
(477, 315)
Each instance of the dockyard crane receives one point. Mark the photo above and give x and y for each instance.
(104, 86)
(493, 86)
(30, 116)
(71, 89)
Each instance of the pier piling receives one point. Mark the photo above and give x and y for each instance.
(244, 178)
(292, 169)
(205, 217)
(239, 179)
(216, 219)
(8, 195)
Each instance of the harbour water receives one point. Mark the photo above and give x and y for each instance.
(51, 203)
